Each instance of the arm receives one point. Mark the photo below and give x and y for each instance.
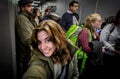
(63, 22)
(104, 37)
(35, 72)
(83, 40)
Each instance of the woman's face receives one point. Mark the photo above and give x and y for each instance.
(38, 13)
(46, 46)
(97, 24)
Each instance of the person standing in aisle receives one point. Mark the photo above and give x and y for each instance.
(110, 36)
(36, 16)
(70, 17)
(91, 48)
(23, 32)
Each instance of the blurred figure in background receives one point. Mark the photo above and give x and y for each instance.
(110, 36)
(55, 17)
(108, 20)
(36, 16)
(47, 13)
(70, 17)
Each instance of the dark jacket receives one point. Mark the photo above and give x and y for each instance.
(67, 20)
(96, 55)
(42, 67)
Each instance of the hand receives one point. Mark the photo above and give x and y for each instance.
(117, 52)
(103, 49)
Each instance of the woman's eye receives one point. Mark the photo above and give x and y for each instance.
(47, 40)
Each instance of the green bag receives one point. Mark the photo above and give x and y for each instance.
(72, 34)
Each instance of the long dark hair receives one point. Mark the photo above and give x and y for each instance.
(34, 12)
(117, 18)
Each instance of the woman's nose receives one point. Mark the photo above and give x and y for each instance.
(43, 46)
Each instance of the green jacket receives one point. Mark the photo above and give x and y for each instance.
(42, 67)
(23, 32)
(23, 28)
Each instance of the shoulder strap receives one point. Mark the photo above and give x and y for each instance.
(73, 30)
(111, 30)
(90, 36)
(113, 27)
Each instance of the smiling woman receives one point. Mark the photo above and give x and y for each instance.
(53, 55)
(45, 44)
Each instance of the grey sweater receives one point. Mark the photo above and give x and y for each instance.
(109, 38)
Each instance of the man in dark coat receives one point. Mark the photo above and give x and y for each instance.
(70, 17)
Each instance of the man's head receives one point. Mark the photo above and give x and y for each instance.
(26, 5)
(73, 6)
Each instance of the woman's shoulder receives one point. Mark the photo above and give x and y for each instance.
(107, 29)
(108, 26)
(84, 31)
